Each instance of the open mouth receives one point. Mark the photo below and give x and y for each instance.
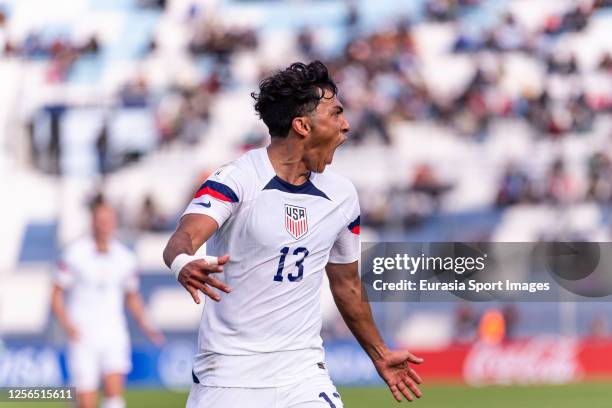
(330, 155)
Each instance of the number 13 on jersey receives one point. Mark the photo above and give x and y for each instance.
(299, 264)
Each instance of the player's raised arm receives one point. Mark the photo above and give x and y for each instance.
(193, 272)
(393, 366)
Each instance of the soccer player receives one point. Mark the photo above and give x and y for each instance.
(273, 221)
(99, 273)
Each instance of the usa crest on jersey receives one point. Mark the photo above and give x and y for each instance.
(296, 221)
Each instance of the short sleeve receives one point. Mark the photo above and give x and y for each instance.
(219, 196)
(346, 248)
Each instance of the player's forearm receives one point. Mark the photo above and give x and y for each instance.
(59, 311)
(136, 308)
(180, 243)
(358, 317)
(193, 231)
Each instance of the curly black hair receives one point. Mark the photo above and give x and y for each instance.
(290, 93)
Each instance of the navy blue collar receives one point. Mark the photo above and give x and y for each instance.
(277, 183)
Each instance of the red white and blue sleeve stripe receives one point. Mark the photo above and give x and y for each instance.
(354, 226)
(217, 190)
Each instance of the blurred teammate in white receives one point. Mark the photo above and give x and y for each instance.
(274, 220)
(99, 275)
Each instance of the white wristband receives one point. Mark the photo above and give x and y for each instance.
(183, 259)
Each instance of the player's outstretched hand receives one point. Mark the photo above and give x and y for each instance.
(398, 375)
(196, 275)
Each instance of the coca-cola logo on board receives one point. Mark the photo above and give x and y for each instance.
(541, 360)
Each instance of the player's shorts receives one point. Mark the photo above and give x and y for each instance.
(313, 392)
(87, 362)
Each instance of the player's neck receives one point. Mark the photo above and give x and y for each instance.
(102, 245)
(286, 156)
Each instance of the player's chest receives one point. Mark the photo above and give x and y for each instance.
(100, 272)
(284, 218)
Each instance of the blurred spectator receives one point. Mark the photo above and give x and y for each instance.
(370, 120)
(492, 327)
(168, 117)
(467, 43)
(61, 62)
(581, 113)
(605, 64)
(466, 323)
(2, 17)
(511, 317)
(426, 182)
(600, 178)
(538, 113)
(185, 113)
(559, 184)
(54, 150)
(422, 198)
(149, 217)
(352, 14)
(376, 210)
(212, 38)
(33, 148)
(515, 187)
(91, 46)
(442, 10)
(575, 19)
(60, 52)
(563, 64)
(102, 142)
(306, 44)
(509, 36)
(135, 93)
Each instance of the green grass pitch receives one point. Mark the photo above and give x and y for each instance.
(587, 395)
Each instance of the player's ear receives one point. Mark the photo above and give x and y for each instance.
(301, 125)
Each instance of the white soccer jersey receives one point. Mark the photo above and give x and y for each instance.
(96, 284)
(266, 332)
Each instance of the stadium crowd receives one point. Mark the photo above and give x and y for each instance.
(383, 82)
